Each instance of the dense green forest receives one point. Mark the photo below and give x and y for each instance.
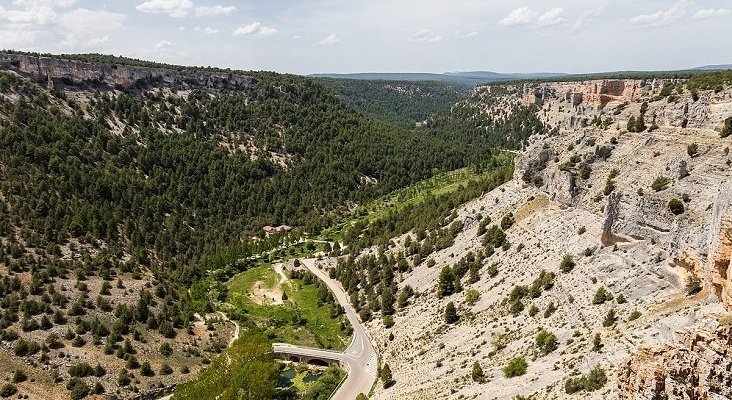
(483, 117)
(401, 102)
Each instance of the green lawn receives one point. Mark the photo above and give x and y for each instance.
(300, 320)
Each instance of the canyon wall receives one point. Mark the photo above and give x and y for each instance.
(55, 71)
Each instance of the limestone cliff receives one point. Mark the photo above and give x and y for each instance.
(56, 70)
(698, 366)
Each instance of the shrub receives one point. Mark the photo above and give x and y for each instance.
(601, 296)
(165, 369)
(597, 343)
(78, 388)
(8, 390)
(594, 380)
(19, 376)
(388, 321)
(610, 318)
(635, 314)
(676, 206)
(692, 150)
(81, 370)
(477, 373)
(472, 296)
(693, 285)
(727, 130)
(146, 370)
(546, 342)
(660, 183)
(516, 367)
(166, 349)
(124, 379)
(507, 221)
(567, 264)
(550, 309)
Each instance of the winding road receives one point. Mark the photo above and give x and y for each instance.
(359, 357)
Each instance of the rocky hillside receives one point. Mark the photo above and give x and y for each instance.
(601, 270)
(123, 183)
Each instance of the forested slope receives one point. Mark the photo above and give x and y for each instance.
(401, 102)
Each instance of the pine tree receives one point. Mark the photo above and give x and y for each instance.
(386, 377)
(477, 373)
(451, 315)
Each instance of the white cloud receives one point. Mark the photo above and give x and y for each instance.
(330, 39)
(44, 3)
(519, 16)
(663, 17)
(711, 13)
(173, 8)
(595, 12)
(425, 36)
(551, 18)
(254, 29)
(465, 35)
(212, 11)
(296, 37)
(89, 28)
(207, 30)
(17, 37)
(38, 15)
(163, 44)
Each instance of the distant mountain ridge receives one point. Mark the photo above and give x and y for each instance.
(467, 77)
(481, 77)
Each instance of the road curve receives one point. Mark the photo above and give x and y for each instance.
(359, 356)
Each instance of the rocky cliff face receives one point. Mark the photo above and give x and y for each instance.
(718, 273)
(697, 367)
(55, 71)
(595, 93)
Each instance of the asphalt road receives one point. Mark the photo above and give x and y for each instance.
(359, 356)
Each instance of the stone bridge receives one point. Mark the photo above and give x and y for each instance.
(320, 357)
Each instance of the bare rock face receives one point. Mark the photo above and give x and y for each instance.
(679, 170)
(719, 270)
(629, 216)
(531, 162)
(561, 187)
(112, 75)
(699, 366)
(688, 114)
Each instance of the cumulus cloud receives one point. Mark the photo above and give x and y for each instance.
(465, 35)
(173, 8)
(17, 37)
(212, 11)
(711, 13)
(579, 23)
(425, 36)
(330, 39)
(29, 14)
(519, 16)
(254, 29)
(663, 17)
(44, 3)
(89, 28)
(207, 30)
(551, 18)
(163, 44)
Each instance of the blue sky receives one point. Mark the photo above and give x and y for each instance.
(309, 36)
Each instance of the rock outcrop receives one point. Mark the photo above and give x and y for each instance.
(719, 270)
(596, 93)
(56, 70)
(697, 367)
